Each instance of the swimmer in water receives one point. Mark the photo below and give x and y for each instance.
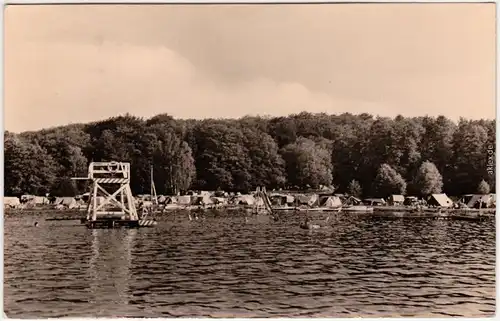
(307, 225)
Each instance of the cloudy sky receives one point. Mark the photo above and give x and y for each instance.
(70, 64)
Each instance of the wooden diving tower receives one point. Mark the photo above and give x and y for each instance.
(111, 203)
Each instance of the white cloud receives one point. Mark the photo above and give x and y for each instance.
(236, 60)
(82, 82)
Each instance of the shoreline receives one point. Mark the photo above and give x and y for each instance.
(389, 212)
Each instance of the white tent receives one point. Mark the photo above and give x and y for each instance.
(307, 199)
(219, 200)
(38, 200)
(11, 201)
(331, 201)
(244, 200)
(396, 199)
(441, 200)
(184, 200)
(69, 202)
(203, 200)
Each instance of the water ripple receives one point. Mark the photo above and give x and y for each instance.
(225, 267)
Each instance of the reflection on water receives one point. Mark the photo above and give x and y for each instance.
(228, 266)
(110, 264)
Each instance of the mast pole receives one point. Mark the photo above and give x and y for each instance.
(153, 189)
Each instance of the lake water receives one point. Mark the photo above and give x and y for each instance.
(228, 267)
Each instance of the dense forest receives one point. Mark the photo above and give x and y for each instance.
(358, 154)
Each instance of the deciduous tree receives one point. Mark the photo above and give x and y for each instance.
(428, 180)
(354, 188)
(307, 164)
(388, 182)
(483, 187)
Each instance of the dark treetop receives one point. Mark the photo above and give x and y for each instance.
(373, 156)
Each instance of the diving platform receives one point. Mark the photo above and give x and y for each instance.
(111, 204)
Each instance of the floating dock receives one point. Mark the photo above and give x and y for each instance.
(110, 223)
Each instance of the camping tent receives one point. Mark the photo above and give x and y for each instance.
(479, 201)
(440, 200)
(184, 200)
(170, 200)
(202, 200)
(69, 202)
(38, 200)
(219, 200)
(352, 201)
(374, 201)
(309, 200)
(220, 194)
(410, 200)
(11, 201)
(205, 193)
(26, 198)
(277, 199)
(330, 201)
(244, 200)
(281, 199)
(145, 204)
(396, 199)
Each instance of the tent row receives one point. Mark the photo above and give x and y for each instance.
(26, 202)
(207, 200)
(277, 200)
(311, 200)
(435, 200)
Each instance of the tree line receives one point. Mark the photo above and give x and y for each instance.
(358, 154)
